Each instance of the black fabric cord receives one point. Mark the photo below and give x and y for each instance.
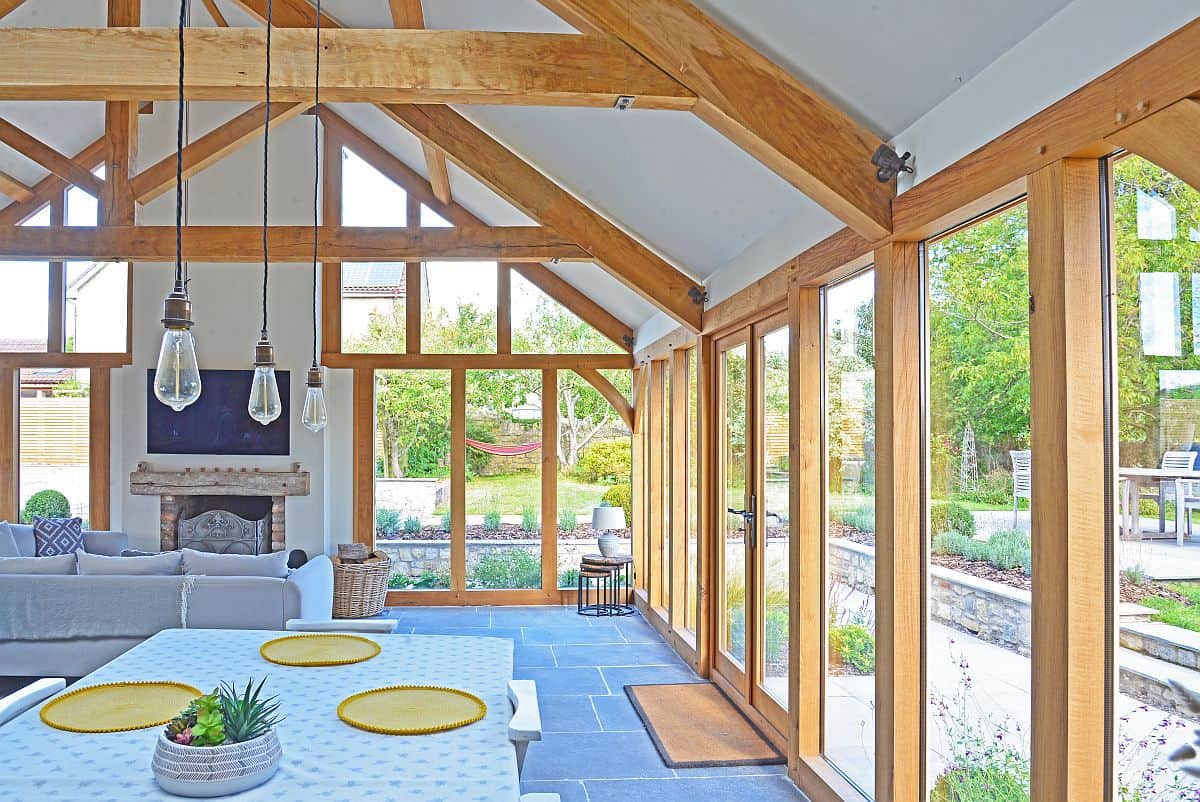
(316, 180)
(179, 155)
(266, 143)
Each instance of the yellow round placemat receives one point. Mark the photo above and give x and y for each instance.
(118, 706)
(319, 650)
(411, 709)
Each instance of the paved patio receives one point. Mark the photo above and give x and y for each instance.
(594, 747)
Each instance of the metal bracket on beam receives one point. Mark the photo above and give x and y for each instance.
(627, 340)
(624, 102)
(697, 296)
(890, 164)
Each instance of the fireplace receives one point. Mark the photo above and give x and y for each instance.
(239, 510)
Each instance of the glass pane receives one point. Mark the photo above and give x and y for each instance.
(1156, 218)
(412, 476)
(369, 198)
(81, 206)
(775, 511)
(977, 659)
(663, 579)
(374, 303)
(733, 456)
(691, 570)
(594, 467)
(460, 308)
(55, 422)
(541, 325)
(24, 290)
(97, 295)
(431, 219)
(504, 479)
(849, 707)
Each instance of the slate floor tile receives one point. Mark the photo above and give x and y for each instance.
(618, 678)
(575, 756)
(616, 714)
(618, 654)
(567, 713)
(560, 681)
(599, 634)
(767, 788)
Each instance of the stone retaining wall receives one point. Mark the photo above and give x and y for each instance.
(414, 557)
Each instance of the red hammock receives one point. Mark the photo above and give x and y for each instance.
(503, 450)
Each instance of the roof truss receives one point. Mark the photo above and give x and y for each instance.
(35, 150)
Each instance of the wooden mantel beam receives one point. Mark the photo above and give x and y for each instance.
(405, 65)
(287, 244)
(755, 103)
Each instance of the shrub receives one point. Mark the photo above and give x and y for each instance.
(995, 487)
(621, 496)
(861, 517)
(568, 521)
(606, 461)
(46, 504)
(776, 624)
(854, 645)
(445, 522)
(510, 568)
(569, 578)
(529, 520)
(1008, 549)
(491, 520)
(950, 516)
(387, 521)
(427, 579)
(412, 525)
(1135, 575)
(950, 543)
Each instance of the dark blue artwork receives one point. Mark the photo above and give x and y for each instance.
(218, 423)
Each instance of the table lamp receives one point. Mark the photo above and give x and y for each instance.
(604, 520)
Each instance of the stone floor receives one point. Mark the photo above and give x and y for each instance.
(594, 747)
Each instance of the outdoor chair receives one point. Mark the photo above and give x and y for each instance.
(1176, 461)
(1022, 473)
(18, 702)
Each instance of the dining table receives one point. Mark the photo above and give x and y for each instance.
(1133, 479)
(323, 757)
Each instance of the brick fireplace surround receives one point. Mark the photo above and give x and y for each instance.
(175, 487)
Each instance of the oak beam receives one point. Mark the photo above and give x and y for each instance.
(405, 66)
(534, 194)
(35, 150)
(10, 443)
(588, 310)
(1169, 138)
(9, 6)
(479, 361)
(620, 403)
(231, 244)
(211, 148)
(14, 189)
(213, 11)
(757, 104)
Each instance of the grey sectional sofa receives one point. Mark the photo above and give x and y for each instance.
(69, 625)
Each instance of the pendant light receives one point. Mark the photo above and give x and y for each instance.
(177, 374)
(315, 415)
(264, 404)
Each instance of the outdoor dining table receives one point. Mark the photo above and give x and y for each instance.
(1133, 479)
(323, 757)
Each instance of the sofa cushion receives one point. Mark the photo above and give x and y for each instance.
(56, 564)
(8, 544)
(97, 541)
(165, 564)
(210, 564)
(54, 536)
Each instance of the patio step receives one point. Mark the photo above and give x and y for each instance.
(1164, 642)
(1148, 679)
(1129, 612)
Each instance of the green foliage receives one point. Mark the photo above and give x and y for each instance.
(387, 521)
(1001, 777)
(1135, 575)
(568, 521)
(995, 488)
(860, 517)
(950, 543)
(621, 496)
(776, 631)
(854, 645)
(445, 521)
(412, 525)
(1006, 550)
(512, 568)
(491, 520)
(46, 504)
(608, 461)
(529, 519)
(569, 578)
(436, 580)
(1185, 614)
(950, 516)
(247, 714)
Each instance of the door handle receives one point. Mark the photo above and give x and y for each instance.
(748, 516)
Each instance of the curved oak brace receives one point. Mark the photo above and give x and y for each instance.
(1170, 138)
(614, 396)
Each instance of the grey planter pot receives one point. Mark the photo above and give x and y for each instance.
(208, 771)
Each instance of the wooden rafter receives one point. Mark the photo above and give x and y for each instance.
(211, 148)
(287, 244)
(529, 190)
(755, 103)
(411, 66)
(1170, 138)
(480, 361)
(9, 6)
(611, 394)
(213, 11)
(418, 189)
(13, 188)
(35, 150)
(410, 14)
(50, 187)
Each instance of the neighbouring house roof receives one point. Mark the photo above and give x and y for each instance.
(372, 279)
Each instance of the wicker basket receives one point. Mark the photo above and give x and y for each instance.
(360, 589)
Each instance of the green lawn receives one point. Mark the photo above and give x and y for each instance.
(514, 493)
(1177, 613)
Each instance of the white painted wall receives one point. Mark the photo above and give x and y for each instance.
(226, 308)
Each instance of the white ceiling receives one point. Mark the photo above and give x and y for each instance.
(664, 177)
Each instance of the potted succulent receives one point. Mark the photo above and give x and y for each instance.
(224, 742)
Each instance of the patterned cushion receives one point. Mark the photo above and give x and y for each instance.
(54, 536)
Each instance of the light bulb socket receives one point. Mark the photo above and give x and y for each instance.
(177, 309)
(315, 378)
(264, 352)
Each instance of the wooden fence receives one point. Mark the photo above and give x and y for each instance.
(54, 431)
